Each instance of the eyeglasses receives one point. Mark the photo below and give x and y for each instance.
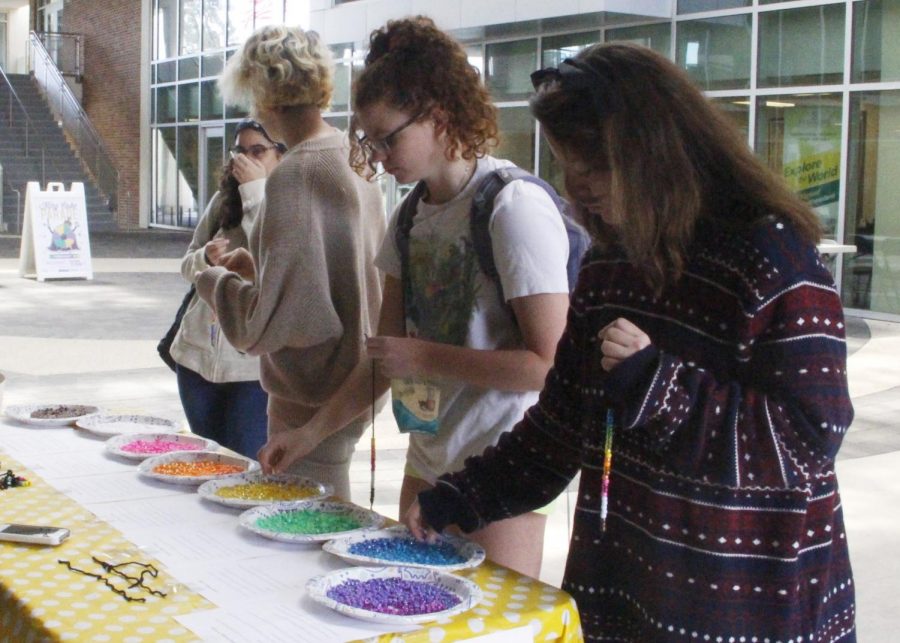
(256, 151)
(383, 145)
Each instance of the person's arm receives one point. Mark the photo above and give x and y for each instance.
(351, 400)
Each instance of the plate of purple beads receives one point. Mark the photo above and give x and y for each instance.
(404, 595)
(308, 521)
(396, 546)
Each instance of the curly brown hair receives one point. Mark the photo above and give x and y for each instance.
(415, 67)
(675, 159)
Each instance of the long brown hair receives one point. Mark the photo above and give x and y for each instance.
(675, 158)
(415, 67)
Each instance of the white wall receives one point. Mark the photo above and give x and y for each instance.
(17, 60)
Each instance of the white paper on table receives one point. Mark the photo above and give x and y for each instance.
(282, 623)
(150, 513)
(112, 487)
(23, 443)
(74, 464)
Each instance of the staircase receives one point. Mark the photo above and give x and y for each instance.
(60, 163)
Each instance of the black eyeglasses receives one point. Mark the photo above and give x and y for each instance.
(542, 76)
(383, 145)
(256, 151)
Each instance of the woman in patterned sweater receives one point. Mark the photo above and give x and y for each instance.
(707, 329)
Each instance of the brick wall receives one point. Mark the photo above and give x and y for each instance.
(112, 91)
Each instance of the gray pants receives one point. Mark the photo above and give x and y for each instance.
(329, 462)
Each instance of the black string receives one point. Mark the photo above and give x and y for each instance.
(137, 582)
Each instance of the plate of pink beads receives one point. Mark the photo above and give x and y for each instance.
(404, 595)
(140, 446)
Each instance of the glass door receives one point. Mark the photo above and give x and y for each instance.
(212, 158)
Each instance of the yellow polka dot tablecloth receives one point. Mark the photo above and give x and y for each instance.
(42, 600)
(510, 601)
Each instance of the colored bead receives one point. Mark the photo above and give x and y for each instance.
(393, 596)
(159, 445)
(270, 491)
(307, 522)
(408, 550)
(198, 468)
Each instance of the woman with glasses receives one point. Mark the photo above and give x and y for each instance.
(424, 115)
(307, 292)
(700, 388)
(219, 386)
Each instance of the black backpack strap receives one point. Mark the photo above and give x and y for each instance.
(483, 207)
(402, 231)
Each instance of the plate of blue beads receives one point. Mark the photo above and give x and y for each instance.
(396, 546)
(398, 595)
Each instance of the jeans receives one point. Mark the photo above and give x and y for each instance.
(233, 413)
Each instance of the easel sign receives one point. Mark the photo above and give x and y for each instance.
(55, 242)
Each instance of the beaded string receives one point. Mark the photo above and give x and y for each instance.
(607, 466)
(372, 446)
(136, 581)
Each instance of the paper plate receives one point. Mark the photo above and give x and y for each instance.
(211, 490)
(117, 444)
(468, 593)
(366, 519)
(146, 468)
(472, 554)
(63, 414)
(105, 424)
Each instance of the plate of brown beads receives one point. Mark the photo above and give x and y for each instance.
(194, 467)
(50, 414)
(254, 489)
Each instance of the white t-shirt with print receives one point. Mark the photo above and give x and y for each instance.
(453, 302)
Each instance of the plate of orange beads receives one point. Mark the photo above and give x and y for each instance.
(195, 467)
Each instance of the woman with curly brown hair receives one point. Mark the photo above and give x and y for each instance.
(306, 292)
(424, 115)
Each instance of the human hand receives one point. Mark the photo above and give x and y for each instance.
(246, 169)
(240, 261)
(417, 526)
(214, 250)
(398, 356)
(286, 447)
(620, 340)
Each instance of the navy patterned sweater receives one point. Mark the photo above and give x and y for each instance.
(724, 520)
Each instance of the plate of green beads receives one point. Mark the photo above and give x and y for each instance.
(309, 521)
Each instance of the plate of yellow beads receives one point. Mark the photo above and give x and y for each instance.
(253, 489)
(195, 467)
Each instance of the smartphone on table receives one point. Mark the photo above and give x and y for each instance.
(33, 534)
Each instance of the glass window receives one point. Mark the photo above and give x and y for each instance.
(340, 122)
(876, 34)
(188, 187)
(801, 46)
(166, 170)
(695, 6)
(475, 54)
(871, 277)
(738, 110)
(657, 37)
(558, 48)
(212, 65)
(715, 51)
(188, 102)
(188, 68)
(799, 137)
(551, 170)
(340, 98)
(240, 21)
(509, 67)
(166, 29)
(235, 111)
(211, 106)
(517, 130)
(165, 72)
(213, 24)
(190, 26)
(165, 104)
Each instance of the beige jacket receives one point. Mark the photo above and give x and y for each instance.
(199, 344)
(317, 291)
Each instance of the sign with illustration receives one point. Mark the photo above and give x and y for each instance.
(55, 242)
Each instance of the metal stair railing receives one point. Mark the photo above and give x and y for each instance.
(29, 126)
(75, 122)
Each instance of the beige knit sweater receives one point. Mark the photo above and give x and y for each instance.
(317, 291)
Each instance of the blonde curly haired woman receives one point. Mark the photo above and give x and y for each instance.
(307, 292)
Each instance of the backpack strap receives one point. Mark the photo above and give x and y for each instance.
(402, 230)
(483, 207)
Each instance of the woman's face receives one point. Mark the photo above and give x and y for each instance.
(406, 144)
(587, 187)
(259, 148)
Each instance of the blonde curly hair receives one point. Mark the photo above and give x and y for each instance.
(279, 66)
